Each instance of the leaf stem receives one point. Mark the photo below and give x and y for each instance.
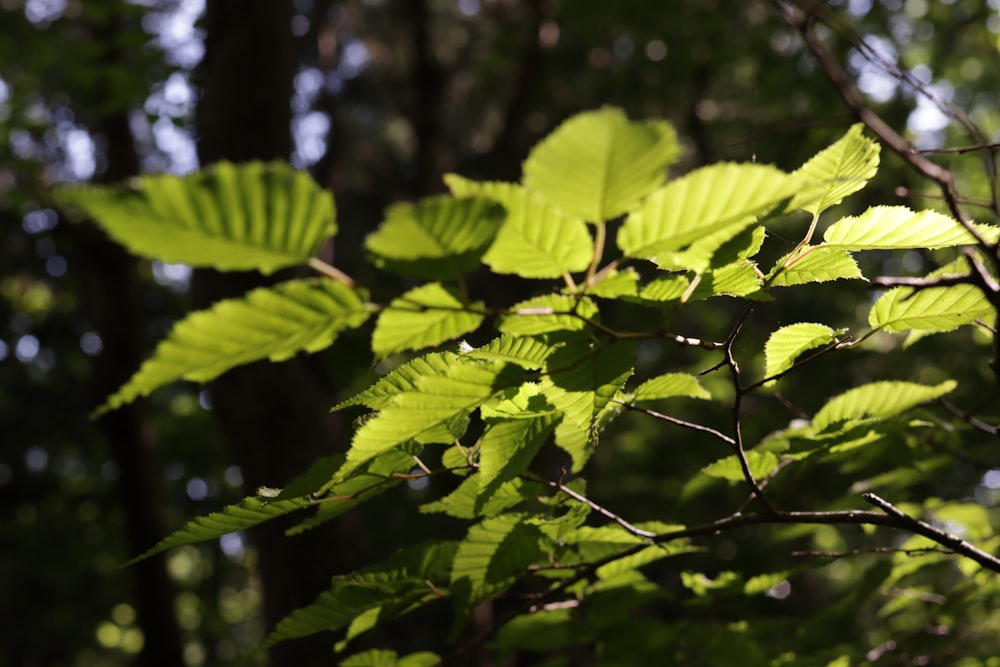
(330, 271)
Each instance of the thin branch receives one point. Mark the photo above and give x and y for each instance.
(871, 550)
(638, 532)
(679, 422)
(969, 419)
(957, 544)
(734, 371)
(961, 149)
(920, 283)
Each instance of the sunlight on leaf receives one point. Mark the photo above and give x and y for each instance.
(598, 165)
(879, 400)
(425, 316)
(268, 323)
(890, 227)
(251, 216)
(836, 171)
(787, 343)
(670, 385)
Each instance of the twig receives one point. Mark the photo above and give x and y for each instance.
(969, 419)
(871, 550)
(638, 532)
(953, 542)
(330, 271)
(679, 422)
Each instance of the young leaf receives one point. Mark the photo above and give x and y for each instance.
(670, 385)
(891, 227)
(580, 382)
(536, 239)
(424, 316)
(434, 401)
(836, 171)
(616, 284)
(708, 200)
(249, 512)
(252, 216)
(931, 309)
(785, 345)
(879, 400)
(494, 553)
(268, 323)
(548, 313)
(439, 238)
(598, 165)
(717, 250)
(815, 264)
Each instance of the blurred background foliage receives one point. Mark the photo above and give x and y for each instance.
(378, 99)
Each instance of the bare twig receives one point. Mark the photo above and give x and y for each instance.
(680, 422)
(957, 544)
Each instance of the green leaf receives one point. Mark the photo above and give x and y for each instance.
(536, 239)
(249, 512)
(433, 401)
(425, 316)
(931, 309)
(439, 238)
(494, 553)
(268, 323)
(664, 290)
(616, 284)
(670, 385)
(371, 480)
(724, 247)
(517, 428)
(740, 278)
(581, 381)
(469, 501)
(524, 351)
(708, 200)
(598, 165)
(879, 400)
(395, 586)
(548, 313)
(729, 468)
(836, 171)
(401, 379)
(252, 216)
(382, 658)
(785, 345)
(815, 264)
(892, 227)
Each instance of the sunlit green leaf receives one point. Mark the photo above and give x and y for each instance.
(836, 171)
(468, 501)
(890, 227)
(816, 264)
(580, 382)
(879, 400)
(617, 284)
(268, 323)
(425, 316)
(432, 401)
(729, 468)
(740, 278)
(548, 313)
(785, 345)
(382, 658)
(536, 239)
(248, 513)
(598, 165)
(932, 309)
(705, 201)
(439, 238)
(717, 250)
(524, 351)
(494, 553)
(251, 216)
(670, 385)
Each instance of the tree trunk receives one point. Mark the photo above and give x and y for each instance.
(275, 417)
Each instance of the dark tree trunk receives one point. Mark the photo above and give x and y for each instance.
(275, 417)
(116, 317)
